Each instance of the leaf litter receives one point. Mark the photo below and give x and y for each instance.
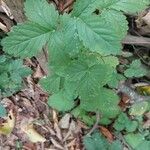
(33, 125)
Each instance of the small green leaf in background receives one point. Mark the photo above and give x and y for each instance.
(97, 142)
(134, 139)
(11, 74)
(137, 141)
(136, 69)
(127, 6)
(116, 145)
(80, 113)
(139, 109)
(3, 111)
(131, 126)
(124, 123)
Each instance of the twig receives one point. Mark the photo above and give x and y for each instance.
(135, 40)
(69, 3)
(96, 124)
(42, 146)
(121, 138)
(136, 51)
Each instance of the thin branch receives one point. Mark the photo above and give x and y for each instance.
(96, 123)
(136, 51)
(121, 138)
(69, 3)
(136, 40)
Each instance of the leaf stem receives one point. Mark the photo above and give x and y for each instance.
(95, 125)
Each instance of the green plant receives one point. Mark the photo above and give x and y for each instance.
(136, 69)
(132, 130)
(124, 123)
(83, 46)
(138, 109)
(11, 73)
(97, 141)
(137, 141)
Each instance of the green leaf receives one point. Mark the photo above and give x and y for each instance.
(61, 101)
(139, 109)
(99, 33)
(111, 60)
(59, 61)
(115, 79)
(51, 83)
(79, 113)
(120, 122)
(26, 40)
(95, 142)
(17, 67)
(2, 59)
(145, 145)
(70, 88)
(124, 123)
(42, 13)
(128, 6)
(134, 140)
(116, 145)
(136, 69)
(3, 111)
(131, 126)
(82, 7)
(106, 102)
(119, 126)
(105, 121)
(64, 45)
(11, 74)
(87, 78)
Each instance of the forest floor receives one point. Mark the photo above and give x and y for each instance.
(58, 131)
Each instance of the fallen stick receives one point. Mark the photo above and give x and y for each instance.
(136, 40)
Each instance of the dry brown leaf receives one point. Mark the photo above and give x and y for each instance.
(106, 133)
(72, 143)
(56, 144)
(3, 27)
(7, 127)
(58, 131)
(6, 9)
(124, 101)
(32, 134)
(16, 9)
(55, 117)
(65, 121)
(146, 18)
(43, 60)
(146, 125)
(38, 73)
